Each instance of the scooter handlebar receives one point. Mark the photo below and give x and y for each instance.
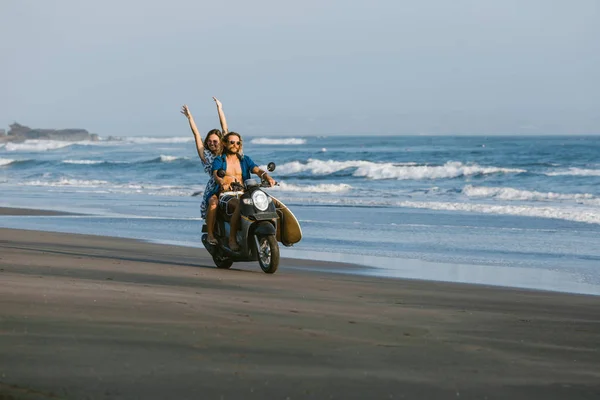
(266, 184)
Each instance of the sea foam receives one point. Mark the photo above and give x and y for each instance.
(321, 188)
(156, 140)
(399, 171)
(273, 141)
(164, 158)
(66, 182)
(587, 215)
(574, 213)
(102, 186)
(318, 167)
(575, 172)
(6, 161)
(451, 169)
(37, 145)
(507, 193)
(160, 159)
(82, 162)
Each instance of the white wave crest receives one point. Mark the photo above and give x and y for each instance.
(575, 172)
(507, 193)
(65, 182)
(286, 141)
(37, 145)
(152, 190)
(164, 158)
(321, 188)
(319, 167)
(161, 158)
(577, 214)
(101, 186)
(399, 171)
(152, 140)
(82, 162)
(452, 169)
(6, 161)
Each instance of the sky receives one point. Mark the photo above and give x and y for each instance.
(311, 67)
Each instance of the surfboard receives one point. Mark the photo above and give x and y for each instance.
(288, 227)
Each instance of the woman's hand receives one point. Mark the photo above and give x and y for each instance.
(186, 111)
(219, 105)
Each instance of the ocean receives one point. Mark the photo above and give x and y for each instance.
(511, 211)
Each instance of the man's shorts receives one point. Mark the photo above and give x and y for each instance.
(224, 199)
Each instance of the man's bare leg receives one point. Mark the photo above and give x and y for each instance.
(235, 224)
(211, 214)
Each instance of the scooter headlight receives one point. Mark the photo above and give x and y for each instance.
(261, 201)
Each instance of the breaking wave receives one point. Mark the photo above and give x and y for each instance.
(590, 216)
(102, 186)
(318, 167)
(163, 158)
(153, 140)
(404, 171)
(82, 162)
(507, 193)
(321, 188)
(66, 182)
(37, 145)
(452, 169)
(575, 172)
(6, 161)
(286, 141)
(575, 213)
(160, 159)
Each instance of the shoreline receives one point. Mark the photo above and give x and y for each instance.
(522, 278)
(93, 316)
(15, 211)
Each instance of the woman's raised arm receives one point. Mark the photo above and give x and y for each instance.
(222, 119)
(199, 145)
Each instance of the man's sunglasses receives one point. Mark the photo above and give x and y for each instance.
(234, 142)
(213, 141)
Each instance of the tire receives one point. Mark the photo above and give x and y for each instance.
(222, 262)
(268, 253)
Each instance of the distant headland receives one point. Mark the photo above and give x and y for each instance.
(19, 133)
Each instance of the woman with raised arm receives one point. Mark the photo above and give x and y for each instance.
(207, 151)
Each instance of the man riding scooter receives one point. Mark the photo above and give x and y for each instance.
(238, 168)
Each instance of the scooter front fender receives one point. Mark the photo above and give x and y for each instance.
(264, 228)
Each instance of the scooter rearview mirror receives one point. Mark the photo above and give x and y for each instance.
(271, 166)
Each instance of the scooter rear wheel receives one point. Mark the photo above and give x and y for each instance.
(268, 253)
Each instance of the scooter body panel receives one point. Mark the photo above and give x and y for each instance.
(255, 225)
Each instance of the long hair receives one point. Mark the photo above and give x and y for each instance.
(219, 135)
(225, 138)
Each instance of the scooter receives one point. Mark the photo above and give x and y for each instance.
(258, 227)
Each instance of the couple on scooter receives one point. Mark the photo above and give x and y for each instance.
(223, 152)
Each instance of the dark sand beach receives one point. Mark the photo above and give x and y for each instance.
(87, 317)
(26, 211)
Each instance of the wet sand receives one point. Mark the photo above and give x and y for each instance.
(110, 318)
(27, 211)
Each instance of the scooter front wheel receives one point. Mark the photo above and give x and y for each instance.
(268, 253)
